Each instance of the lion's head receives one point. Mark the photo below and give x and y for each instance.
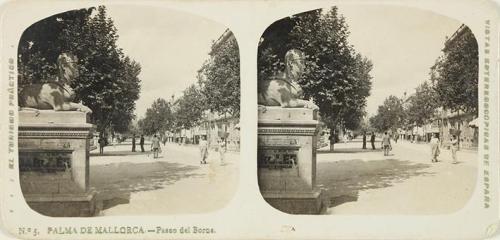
(294, 64)
(68, 69)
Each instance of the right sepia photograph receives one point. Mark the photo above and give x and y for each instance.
(367, 109)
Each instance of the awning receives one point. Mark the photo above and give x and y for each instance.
(474, 123)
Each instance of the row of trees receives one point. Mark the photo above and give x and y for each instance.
(452, 85)
(217, 90)
(108, 80)
(336, 77)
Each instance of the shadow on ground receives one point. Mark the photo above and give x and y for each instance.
(348, 150)
(119, 153)
(345, 179)
(114, 183)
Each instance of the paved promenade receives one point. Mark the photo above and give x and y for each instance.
(134, 183)
(406, 182)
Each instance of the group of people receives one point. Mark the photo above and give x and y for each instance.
(434, 143)
(141, 143)
(435, 150)
(155, 144)
(156, 147)
(221, 148)
(372, 140)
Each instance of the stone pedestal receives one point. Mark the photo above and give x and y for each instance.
(54, 162)
(287, 160)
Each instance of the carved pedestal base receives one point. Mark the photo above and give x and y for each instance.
(287, 160)
(54, 163)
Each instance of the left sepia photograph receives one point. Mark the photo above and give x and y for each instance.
(128, 110)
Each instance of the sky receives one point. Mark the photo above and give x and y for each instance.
(403, 43)
(171, 47)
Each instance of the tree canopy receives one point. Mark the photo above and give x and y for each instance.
(219, 77)
(108, 81)
(390, 115)
(336, 77)
(158, 119)
(190, 107)
(421, 105)
(455, 74)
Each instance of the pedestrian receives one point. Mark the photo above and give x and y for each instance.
(155, 146)
(454, 148)
(434, 147)
(372, 140)
(386, 144)
(102, 143)
(141, 142)
(222, 150)
(133, 142)
(203, 150)
(331, 138)
(364, 139)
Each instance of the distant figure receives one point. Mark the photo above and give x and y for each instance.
(133, 142)
(434, 147)
(331, 138)
(222, 150)
(203, 150)
(102, 143)
(372, 140)
(454, 148)
(155, 146)
(141, 142)
(364, 140)
(386, 144)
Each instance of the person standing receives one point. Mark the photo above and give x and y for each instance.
(434, 147)
(372, 140)
(155, 146)
(203, 150)
(386, 144)
(141, 142)
(133, 142)
(102, 143)
(364, 139)
(454, 148)
(222, 150)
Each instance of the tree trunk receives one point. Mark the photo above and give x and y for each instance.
(458, 133)
(225, 129)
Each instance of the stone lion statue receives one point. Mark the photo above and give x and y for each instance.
(56, 94)
(283, 89)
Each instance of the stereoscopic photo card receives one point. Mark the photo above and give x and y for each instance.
(249, 119)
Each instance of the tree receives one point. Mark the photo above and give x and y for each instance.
(158, 119)
(336, 77)
(421, 105)
(456, 74)
(219, 77)
(190, 107)
(108, 81)
(40, 45)
(390, 115)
